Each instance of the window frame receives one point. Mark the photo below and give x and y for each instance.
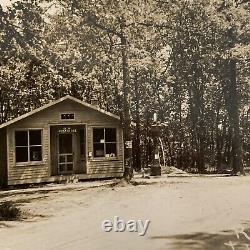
(25, 163)
(116, 142)
(83, 144)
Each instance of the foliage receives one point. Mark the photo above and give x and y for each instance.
(177, 57)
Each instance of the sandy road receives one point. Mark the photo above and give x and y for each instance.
(185, 213)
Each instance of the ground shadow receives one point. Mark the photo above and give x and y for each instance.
(4, 225)
(25, 192)
(14, 191)
(234, 239)
(41, 192)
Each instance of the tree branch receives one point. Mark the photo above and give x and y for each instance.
(91, 20)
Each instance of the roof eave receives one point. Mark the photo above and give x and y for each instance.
(52, 103)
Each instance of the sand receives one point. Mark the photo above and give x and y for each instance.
(184, 213)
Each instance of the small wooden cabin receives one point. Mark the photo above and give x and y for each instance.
(65, 139)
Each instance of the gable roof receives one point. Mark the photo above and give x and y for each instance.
(52, 103)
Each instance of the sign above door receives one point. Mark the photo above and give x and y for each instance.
(67, 130)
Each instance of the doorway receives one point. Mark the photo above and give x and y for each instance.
(68, 149)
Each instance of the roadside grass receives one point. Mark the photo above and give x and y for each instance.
(12, 211)
(9, 211)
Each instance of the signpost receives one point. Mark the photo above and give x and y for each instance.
(128, 144)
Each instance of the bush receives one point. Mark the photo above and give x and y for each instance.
(9, 211)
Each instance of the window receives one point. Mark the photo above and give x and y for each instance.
(68, 116)
(104, 142)
(28, 145)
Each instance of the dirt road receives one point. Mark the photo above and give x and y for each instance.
(184, 213)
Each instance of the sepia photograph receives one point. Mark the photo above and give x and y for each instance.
(124, 124)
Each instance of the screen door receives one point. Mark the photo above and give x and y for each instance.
(65, 154)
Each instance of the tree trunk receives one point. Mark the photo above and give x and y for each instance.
(233, 108)
(232, 97)
(218, 142)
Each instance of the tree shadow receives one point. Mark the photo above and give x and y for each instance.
(225, 240)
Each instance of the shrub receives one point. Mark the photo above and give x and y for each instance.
(9, 211)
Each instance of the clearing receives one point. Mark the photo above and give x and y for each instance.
(185, 213)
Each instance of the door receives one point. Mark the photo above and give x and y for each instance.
(65, 153)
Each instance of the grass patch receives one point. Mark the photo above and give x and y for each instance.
(9, 211)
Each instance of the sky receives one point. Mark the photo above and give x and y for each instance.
(5, 2)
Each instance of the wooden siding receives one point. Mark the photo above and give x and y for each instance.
(3, 158)
(66, 178)
(51, 116)
(98, 167)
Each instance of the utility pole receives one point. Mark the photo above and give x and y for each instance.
(128, 173)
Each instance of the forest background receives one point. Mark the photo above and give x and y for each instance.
(187, 61)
